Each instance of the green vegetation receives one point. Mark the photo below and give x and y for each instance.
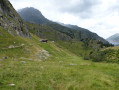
(110, 54)
(62, 70)
(67, 39)
(28, 64)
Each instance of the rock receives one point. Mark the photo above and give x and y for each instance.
(73, 64)
(4, 57)
(30, 51)
(60, 61)
(30, 59)
(43, 55)
(22, 44)
(1, 60)
(11, 84)
(53, 41)
(31, 44)
(11, 46)
(11, 21)
(85, 64)
(23, 62)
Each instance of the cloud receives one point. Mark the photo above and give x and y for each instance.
(79, 6)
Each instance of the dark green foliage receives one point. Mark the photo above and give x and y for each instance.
(108, 55)
(97, 56)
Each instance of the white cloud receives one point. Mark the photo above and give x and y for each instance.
(99, 16)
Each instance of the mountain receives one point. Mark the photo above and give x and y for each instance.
(11, 21)
(32, 15)
(114, 39)
(28, 64)
(35, 16)
(79, 41)
(84, 33)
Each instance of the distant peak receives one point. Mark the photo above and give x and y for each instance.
(32, 15)
(116, 34)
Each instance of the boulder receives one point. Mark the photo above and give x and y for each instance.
(4, 57)
(11, 46)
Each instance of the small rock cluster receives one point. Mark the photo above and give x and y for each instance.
(71, 64)
(43, 55)
(3, 58)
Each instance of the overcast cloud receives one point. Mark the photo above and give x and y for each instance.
(99, 16)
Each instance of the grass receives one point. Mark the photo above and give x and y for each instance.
(61, 71)
(55, 75)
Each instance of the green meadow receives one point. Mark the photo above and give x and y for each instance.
(33, 65)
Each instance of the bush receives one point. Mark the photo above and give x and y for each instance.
(109, 55)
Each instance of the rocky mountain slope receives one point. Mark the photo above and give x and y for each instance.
(84, 33)
(32, 15)
(114, 39)
(11, 21)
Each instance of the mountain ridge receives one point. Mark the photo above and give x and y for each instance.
(73, 31)
(28, 14)
(114, 39)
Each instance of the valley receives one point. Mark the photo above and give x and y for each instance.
(62, 70)
(39, 54)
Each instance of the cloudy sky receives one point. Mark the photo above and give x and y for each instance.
(99, 16)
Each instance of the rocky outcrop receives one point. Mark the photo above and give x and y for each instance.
(11, 21)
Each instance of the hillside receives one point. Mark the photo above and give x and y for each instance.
(66, 37)
(85, 33)
(26, 63)
(31, 64)
(114, 39)
(66, 40)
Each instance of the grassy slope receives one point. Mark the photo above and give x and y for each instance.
(56, 73)
(64, 40)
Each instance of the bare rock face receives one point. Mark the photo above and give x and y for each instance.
(11, 21)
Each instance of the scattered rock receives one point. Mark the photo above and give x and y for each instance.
(53, 41)
(1, 60)
(11, 84)
(43, 54)
(31, 44)
(11, 46)
(84, 64)
(22, 44)
(60, 61)
(73, 64)
(30, 51)
(23, 61)
(4, 57)
(30, 59)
